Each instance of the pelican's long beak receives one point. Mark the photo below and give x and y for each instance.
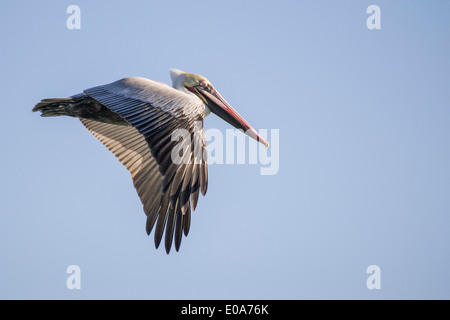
(219, 106)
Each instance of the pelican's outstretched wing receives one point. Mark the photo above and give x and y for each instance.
(154, 110)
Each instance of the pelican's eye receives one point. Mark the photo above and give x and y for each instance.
(203, 83)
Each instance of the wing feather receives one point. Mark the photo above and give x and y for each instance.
(153, 111)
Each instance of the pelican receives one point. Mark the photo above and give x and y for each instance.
(134, 118)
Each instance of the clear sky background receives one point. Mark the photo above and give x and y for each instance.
(364, 176)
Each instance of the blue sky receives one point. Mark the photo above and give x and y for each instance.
(364, 171)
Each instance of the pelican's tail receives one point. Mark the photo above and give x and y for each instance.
(53, 107)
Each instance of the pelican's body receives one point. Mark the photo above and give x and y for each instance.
(135, 119)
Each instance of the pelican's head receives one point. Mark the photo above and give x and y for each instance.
(203, 89)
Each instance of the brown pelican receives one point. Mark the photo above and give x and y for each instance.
(135, 118)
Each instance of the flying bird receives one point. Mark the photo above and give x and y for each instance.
(135, 118)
